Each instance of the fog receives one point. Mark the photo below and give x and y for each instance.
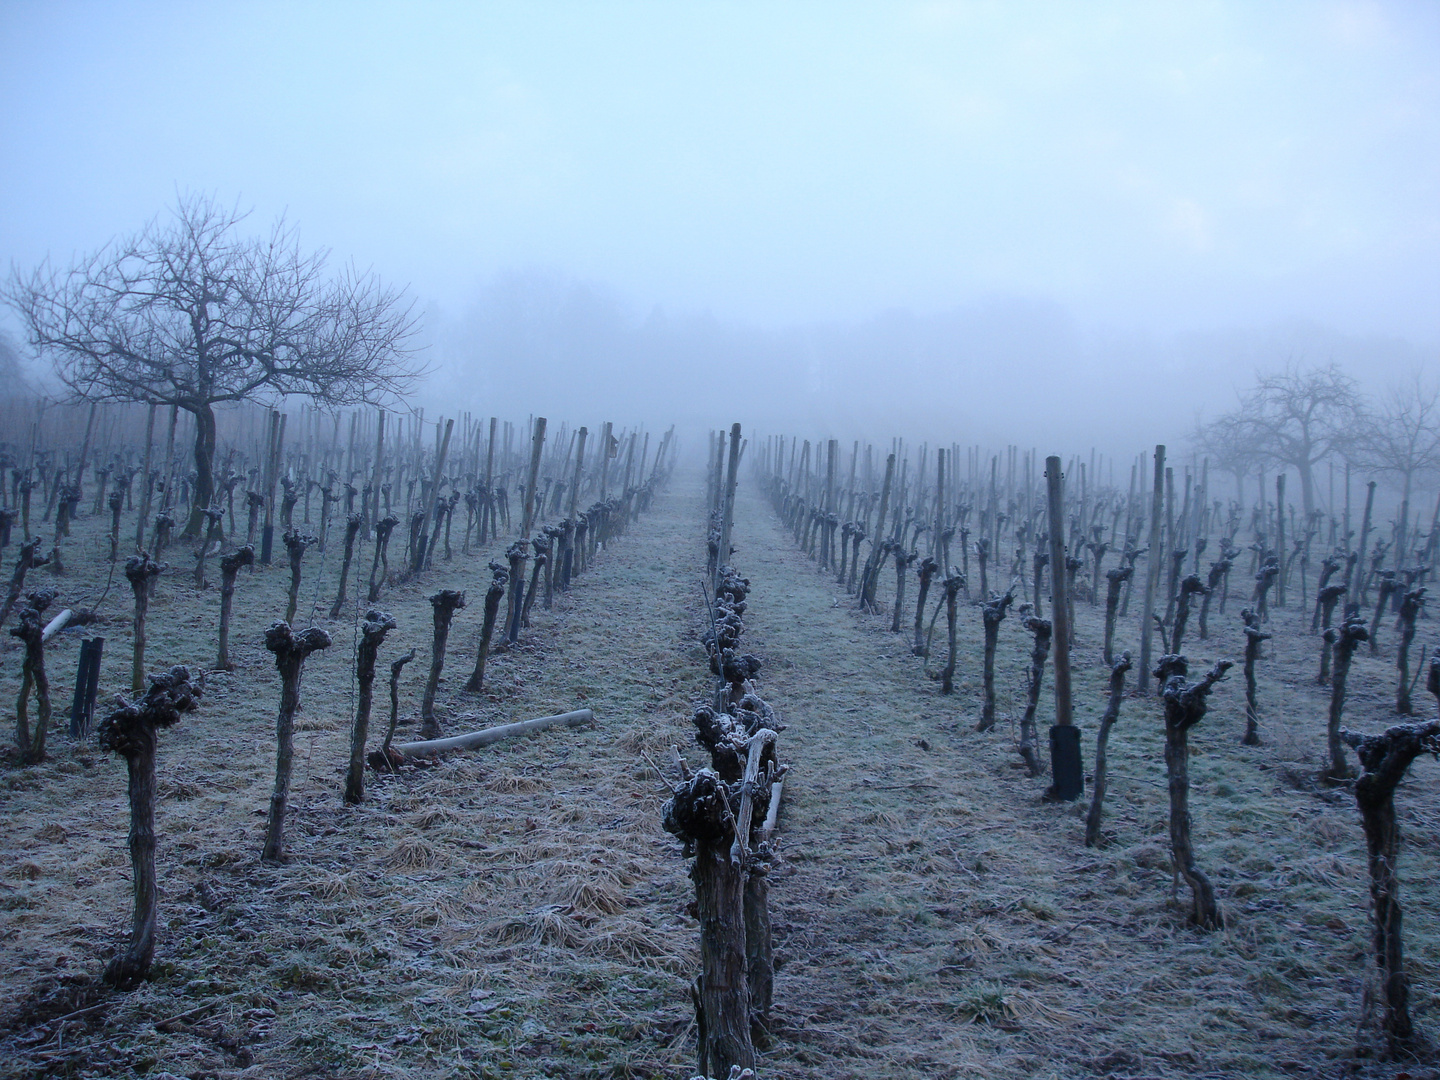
(1058, 225)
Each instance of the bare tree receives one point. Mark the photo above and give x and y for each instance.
(1296, 417)
(190, 313)
(1402, 438)
(1227, 442)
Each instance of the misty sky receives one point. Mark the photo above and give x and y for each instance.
(1145, 168)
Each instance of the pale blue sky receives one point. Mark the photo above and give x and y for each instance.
(1146, 165)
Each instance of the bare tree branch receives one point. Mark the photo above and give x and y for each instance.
(1295, 417)
(189, 312)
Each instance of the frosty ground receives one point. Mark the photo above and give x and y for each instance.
(518, 911)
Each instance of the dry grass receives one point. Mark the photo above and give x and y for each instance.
(926, 882)
(509, 912)
(517, 911)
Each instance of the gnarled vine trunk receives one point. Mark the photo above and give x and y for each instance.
(131, 731)
(372, 632)
(1185, 705)
(230, 569)
(290, 651)
(1102, 741)
(445, 603)
(1029, 741)
(1385, 758)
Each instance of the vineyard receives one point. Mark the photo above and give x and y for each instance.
(565, 722)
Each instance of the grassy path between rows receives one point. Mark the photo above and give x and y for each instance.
(514, 911)
(935, 917)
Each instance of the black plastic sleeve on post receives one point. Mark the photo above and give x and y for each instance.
(267, 544)
(92, 681)
(1065, 764)
(87, 684)
(77, 707)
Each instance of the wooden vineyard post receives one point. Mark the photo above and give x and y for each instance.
(580, 438)
(868, 579)
(1360, 585)
(517, 553)
(832, 452)
(1066, 770)
(474, 739)
(537, 445)
(608, 448)
(939, 526)
(147, 482)
(1279, 539)
(1152, 572)
(370, 506)
(487, 494)
(272, 479)
(727, 518)
(421, 555)
(567, 568)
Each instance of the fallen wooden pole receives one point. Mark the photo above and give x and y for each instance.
(57, 624)
(474, 739)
